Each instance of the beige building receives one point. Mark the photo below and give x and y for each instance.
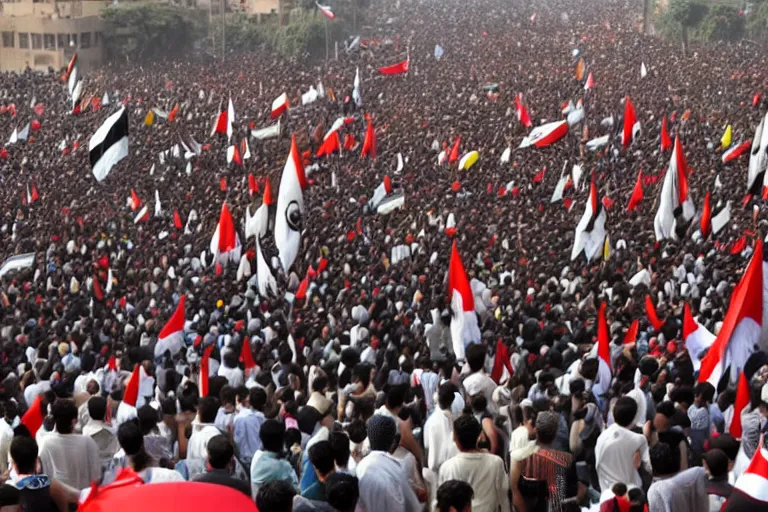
(45, 33)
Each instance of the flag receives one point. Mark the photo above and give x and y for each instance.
(221, 124)
(597, 143)
(326, 10)
(382, 191)
(522, 111)
(464, 328)
(301, 292)
(750, 491)
(225, 242)
(280, 106)
(246, 356)
(758, 159)
(330, 145)
(706, 216)
(580, 70)
(173, 113)
(502, 366)
(722, 218)
(606, 245)
(149, 119)
(637, 192)
(603, 352)
(450, 225)
(230, 118)
(98, 292)
(676, 208)
(356, 95)
(725, 141)
(109, 144)
(18, 262)
(557, 195)
(233, 155)
(736, 151)
(290, 208)
(590, 232)
(756, 99)
(369, 143)
(741, 403)
(33, 418)
(135, 201)
(439, 52)
(177, 219)
(650, 311)
(590, 82)
(204, 370)
(577, 114)
(265, 279)
(643, 70)
(545, 135)
(142, 216)
(696, 337)
(631, 335)
(270, 132)
(666, 142)
(455, 151)
(245, 150)
(131, 393)
(171, 337)
(740, 332)
(630, 119)
(396, 69)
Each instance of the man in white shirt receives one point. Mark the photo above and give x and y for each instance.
(99, 431)
(6, 437)
(478, 381)
(483, 471)
(438, 430)
(619, 451)
(229, 369)
(204, 430)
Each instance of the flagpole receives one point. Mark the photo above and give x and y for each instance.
(325, 22)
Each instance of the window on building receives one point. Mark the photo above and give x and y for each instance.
(73, 40)
(85, 40)
(62, 40)
(37, 41)
(49, 41)
(8, 40)
(24, 40)
(98, 38)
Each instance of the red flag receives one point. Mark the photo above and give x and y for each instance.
(607, 202)
(98, 293)
(267, 197)
(135, 201)
(522, 111)
(246, 356)
(455, 151)
(742, 401)
(112, 363)
(539, 176)
(349, 142)
(637, 193)
(33, 418)
(39, 109)
(253, 185)
(223, 184)
(604, 372)
(629, 122)
(131, 393)
(177, 219)
(204, 363)
(706, 216)
(455, 186)
(35, 125)
(501, 363)
(236, 156)
(666, 142)
(396, 69)
(34, 195)
(590, 82)
(330, 145)
(322, 265)
(631, 335)
(225, 237)
(301, 293)
(369, 144)
(650, 310)
(756, 99)
(739, 245)
(221, 123)
(172, 113)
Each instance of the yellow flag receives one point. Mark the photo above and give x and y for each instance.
(580, 70)
(150, 119)
(607, 248)
(726, 140)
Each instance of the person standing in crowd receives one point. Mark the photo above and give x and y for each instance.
(218, 468)
(269, 464)
(99, 431)
(619, 452)
(454, 496)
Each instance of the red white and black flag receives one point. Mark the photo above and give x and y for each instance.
(109, 144)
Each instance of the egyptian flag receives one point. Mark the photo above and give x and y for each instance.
(204, 370)
(722, 218)
(650, 312)
(382, 191)
(280, 106)
(696, 337)
(246, 356)
(369, 143)
(590, 82)
(740, 334)
(330, 145)
(676, 208)
(338, 124)
(630, 119)
(522, 111)
(258, 224)
(74, 84)
(221, 124)
(631, 336)
(290, 208)
(502, 367)
(72, 68)
(603, 352)
(142, 216)
(450, 225)
(396, 69)
(173, 113)
(233, 155)
(225, 243)
(666, 142)
(245, 150)
(758, 159)
(326, 10)
(253, 185)
(98, 292)
(736, 151)
(109, 144)
(33, 418)
(131, 393)
(750, 493)
(545, 135)
(741, 403)
(590, 232)
(464, 328)
(454, 156)
(135, 201)
(172, 335)
(637, 192)
(706, 216)
(177, 219)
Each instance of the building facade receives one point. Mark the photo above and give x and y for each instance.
(45, 34)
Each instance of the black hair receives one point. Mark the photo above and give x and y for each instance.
(666, 408)
(454, 494)
(342, 492)
(357, 431)
(664, 459)
(396, 397)
(220, 452)
(97, 408)
(446, 395)
(257, 397)
(227, 395)
(208, 407)
(322, 458)
(706, 390)
(467, 430)
(271, 435)
(475, 354)
(624, 411)
(132, 442)
(24, 454)
(148, 419)
(276, 496)
(64, 412)
(362, 372)
(320, 383)
(340, 444)
(479, 403)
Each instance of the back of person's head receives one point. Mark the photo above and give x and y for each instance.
(395, 397)
(275, 496)
(454, 496)
(342, 492)
(547, 424)
(321, 457)
(130, 437)
(64, 412)
(97, 408)
(207, 408)
(362, 373)
(320, 383)
(382, 432)
(716, 462)
(475, 354)
(220, 452)
(466, 431)
(727, 443)
(479, 403)
(705, 390)
(271, 435)
(340, 444)
(624, 411)
(357, 431)
(230, 358)
(148, 419)
(665, 459)
(446, 395)
(24, 455)
(257, 398)
(589, 368)
(227, 396)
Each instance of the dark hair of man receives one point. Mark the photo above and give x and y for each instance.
(132, 442)
(271, 435)
(362, 372)
(24, 454)
(320, 383)
(64, 412)
(476, 357)
(208, 407)
(454, 494)
(340, 444)
(321, 457)
(467, 430)
(446, 395)
(664, 459)
(275, 496)
(257, 397)
(227, 395)
(97, 408)
(220, 452)
(342, 492)
(624, 411)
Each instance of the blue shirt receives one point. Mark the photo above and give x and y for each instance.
(247, 427)
(267, 467)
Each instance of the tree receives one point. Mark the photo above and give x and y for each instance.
(688, 15)
(722, 23)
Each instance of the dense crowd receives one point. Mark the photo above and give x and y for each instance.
(357, 400)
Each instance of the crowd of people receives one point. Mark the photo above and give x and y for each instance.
(357, 399)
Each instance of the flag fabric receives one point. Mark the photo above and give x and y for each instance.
(33, 418)
(204, 370)
(245, 150)
(637, 193)
(603, 352)
(736, 151)
(722, 218)
(109, 144)
(330, 145)
(246, 356)
(369, 143)
(18, 262)
(741, 403)
(696, 337)
(750, 492)
(725, 141)
(225, 242)
(253, 186)
(579, 74)
(464, 328)
(280, 106)
(142, 216)
(269, 132)
(221, 124)
(356, 94)
(396, 69)
(135, 201)
(545, 135)
(326, 10)
(149, 119)
(598, 142)
(522, 111)
(666, 142)
(643, 70)
(171, 336)
(439, 52)
(590, 82)
(706, 216)
(758, 159)
(265, 280)
(502, 366)
(740, 332)
(650, 311)
(631, 335)
(131, 393)
(177, 219)
(383, 190)
(173, 113)
(290, 208)
(230, 118)
(676, 207)
(450, 225)
(590, 232)
(454, 156)
(233, 155)
(576, 115)
(630, 119)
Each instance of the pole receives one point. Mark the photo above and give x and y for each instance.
(210, 27)
(336, 44)
(223, 28)
(325, 22)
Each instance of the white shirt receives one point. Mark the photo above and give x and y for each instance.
(486, 474)
(438, 439)
(124, 413)
(197, 448)
(234, 376)
(6, 436)
(32, 391)
(479, 382)
(384, 485)
(614, 457)
(72, 459)
(81, 382)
